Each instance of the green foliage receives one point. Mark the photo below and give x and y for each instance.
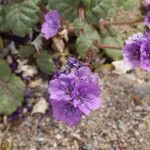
(67, 8)
(26, 51)
(45, 63)
(96, 9)
(79, 25)
(129, 4)
(3, 24)
(87, 37)
(11, 90)
(113, 54)
(112, 37)
(5, 72)
(21, 17)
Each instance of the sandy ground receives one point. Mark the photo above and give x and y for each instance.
(122, 123)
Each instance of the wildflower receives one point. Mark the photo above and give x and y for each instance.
(131, 50)
(51, 25)
(66, 112)
(74, 94)
(145, 55)
(147, 20)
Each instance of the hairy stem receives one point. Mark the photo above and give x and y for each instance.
(103, 46)
(81, 12)
(120, 23)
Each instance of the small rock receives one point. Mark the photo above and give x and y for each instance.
(34, 84)
(41, 106)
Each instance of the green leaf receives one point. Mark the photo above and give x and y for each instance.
(45, 63)
(79, 25)
(112, 37)
(67, 8)
(21, 17)
(96, 10)
(129, 4)
(5, 72)
(3, 24)
(12, 90)
(26, 51)
(87, 37)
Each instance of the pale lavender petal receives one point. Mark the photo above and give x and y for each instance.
(48, 31)
(66, 112)
(51, 25)
(145, 55)
(52, 15)
(58, 91)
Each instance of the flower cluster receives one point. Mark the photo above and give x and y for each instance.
(51, 25)
(136, 51)
(74, 92)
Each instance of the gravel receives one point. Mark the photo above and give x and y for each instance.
(122, 123)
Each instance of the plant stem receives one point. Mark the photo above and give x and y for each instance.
(81, 12)
(119, 23)
(103, 46)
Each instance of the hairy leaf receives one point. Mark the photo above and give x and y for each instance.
(26, 51)
(21, 17)
(67, 8)
(129, 4)
(112, 37)
(3, 24)
(87, 37)
(45, 63)
(96, 9)
(11, 90)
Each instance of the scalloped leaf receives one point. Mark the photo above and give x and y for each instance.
(45, 63)
(86, 38)
(129, 4)
(21, 17)
(113, 54)
(94, 9)
(67, 8)
(112, 37)
(3, 24)
(26, 51)
(12, 90)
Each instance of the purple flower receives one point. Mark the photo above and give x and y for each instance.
(51, 25)
(145, 55)
(131, 50)
(74, 94)
(66, 112)
(147, 20)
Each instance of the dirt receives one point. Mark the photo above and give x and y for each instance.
(122, 123)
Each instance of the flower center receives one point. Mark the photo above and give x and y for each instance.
(137, 55)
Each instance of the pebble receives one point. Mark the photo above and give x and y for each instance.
(35, 83)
